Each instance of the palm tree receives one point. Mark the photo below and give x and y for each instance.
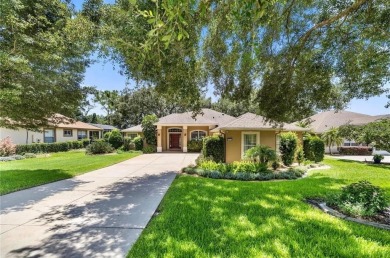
(332, 137)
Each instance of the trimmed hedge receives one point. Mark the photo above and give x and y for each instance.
(139, 143)
(99, 147)
(51, 147)
(214, 148)
(194, 146)
(288, 147)
(361, 150)
(314, 148)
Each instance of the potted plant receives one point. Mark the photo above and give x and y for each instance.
(378, 158)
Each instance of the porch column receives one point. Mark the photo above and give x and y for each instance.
(184, 138)
(159, 137)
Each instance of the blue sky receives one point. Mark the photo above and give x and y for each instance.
(104, 76)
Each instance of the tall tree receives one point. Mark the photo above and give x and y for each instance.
(332, 137)
(43, 55)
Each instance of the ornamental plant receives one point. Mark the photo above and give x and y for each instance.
(7, 147)
(261, 153)
(288, 147)
(115, 138)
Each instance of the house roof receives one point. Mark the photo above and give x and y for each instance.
(209, 117)
(250, 121)
(324, 121)
(62, 121)
(104, 127)
(134, 129)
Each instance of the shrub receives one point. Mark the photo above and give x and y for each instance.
(99, 147)
(7, 147)
(195, 145)
(106, 136)
(378, 158)
(149, 129)
(317, 147)
(288, 147)
(300, 155)
(149, 149)
(138, 143)
(248, 167)
(261, 153)
(306, 148)
(362, 199)
(214, 147)
(85, 142)
(128, 144)
(5, 159)
(74, 145)
(30, 155)
(356, 150)
(210, 165)
(115, 139)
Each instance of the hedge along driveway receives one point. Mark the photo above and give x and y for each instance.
(21, 174)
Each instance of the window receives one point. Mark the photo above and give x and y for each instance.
(81, 134)
(198, 135)
(131, 135)
(48, 136)
(249, 140)
(68, 133)
(174, 130)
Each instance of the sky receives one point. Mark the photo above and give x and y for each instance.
(105, 76)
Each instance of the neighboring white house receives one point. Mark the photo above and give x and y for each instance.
(62, 132)
(324, 121)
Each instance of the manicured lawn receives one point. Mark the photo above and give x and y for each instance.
(21, 174)
(219, 218)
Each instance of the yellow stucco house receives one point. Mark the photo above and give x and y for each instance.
(176, 130)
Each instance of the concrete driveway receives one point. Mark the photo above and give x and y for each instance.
(97, 214)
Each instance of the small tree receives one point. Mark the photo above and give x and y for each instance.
(115, 138)
(332, 137)
(149, 129)
(288, 147)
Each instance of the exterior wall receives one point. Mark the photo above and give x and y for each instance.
(19, 136)
(60, 135)
(234, 141)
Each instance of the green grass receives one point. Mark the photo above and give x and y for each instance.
(21, 174)
(203, 217)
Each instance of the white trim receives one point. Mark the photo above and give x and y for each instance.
(159, 149)
(196, 130)
(242, 139)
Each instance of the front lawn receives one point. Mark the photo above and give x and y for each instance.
(201, 217)
(21, 174)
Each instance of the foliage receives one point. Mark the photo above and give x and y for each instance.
(50, 147)
(248, 167)
(7, 147)
(149, 129)
(115, 138)
(99, 147)
(44, 50)
(234, 108)
(195, 145)
(108, 100)
(378, 158)
(214, 148)
(149, 149)
(332, 137)
(128, 144)
(288, 147)
(139, 143)
(356, 150)
(362, 199)
(261, 153)
(300, 155)
(313, 148)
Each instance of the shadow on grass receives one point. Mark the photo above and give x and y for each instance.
(101, 224)
(206, 217)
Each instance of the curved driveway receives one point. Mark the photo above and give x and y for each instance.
(97, 214)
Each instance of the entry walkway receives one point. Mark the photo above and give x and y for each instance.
(97, 214)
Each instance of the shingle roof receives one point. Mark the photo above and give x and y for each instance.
(325, 120)
(104, 127)
(134, 129)
(209, 117)
(62, 121)
(250, 121)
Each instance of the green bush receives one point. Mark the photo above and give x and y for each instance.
(288, 147)
(85, 142)
(128, 144)
(362, 199)
(214, 148)
(149, 129)
(195, 145)
(261, 153)
(115, 139)
(99, 147)
(139, 143)
(313, 148)
(149, 149)
(300, 155)
(210, 165)
(248, 167)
